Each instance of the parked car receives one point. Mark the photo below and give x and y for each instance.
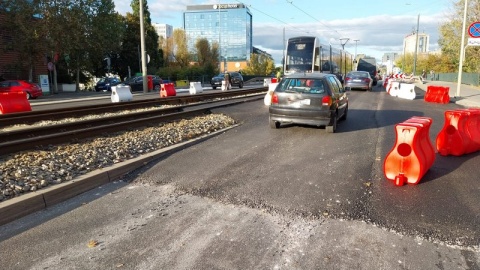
(358, 80)
(32, 90)
(105, 84)
(236, 80)
(316, 99)
(136, 83)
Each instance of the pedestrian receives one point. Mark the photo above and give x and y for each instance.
(228, 80)
(432, 75)
(424, 75)
(279, 76)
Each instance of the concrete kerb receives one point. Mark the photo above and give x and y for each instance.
(31, 202)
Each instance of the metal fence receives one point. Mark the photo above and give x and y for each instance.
(467, 78)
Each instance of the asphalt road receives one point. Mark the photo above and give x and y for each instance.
(258, 198)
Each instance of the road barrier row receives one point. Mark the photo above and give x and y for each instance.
(413, 153)
(400, 89)
(13, 102)
(167, 90)
(121, 93)
(437, 94)
(268, 97)
(195, 88)
(460, 133)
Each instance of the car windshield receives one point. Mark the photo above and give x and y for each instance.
(301, 85)
(358, 74)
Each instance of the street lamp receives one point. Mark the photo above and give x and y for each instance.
(356, 40)
(344, 41)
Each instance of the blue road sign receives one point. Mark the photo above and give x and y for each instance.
(474, 30)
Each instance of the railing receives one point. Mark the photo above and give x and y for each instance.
(467, 78)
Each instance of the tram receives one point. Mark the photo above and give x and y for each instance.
(307, 55)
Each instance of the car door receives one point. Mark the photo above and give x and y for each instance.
(339, 95)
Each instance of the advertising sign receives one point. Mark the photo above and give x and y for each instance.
(44, 84)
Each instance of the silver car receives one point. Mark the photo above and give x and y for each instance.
(358, 80)
(316, 99)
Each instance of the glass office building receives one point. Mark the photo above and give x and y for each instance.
(228, 24)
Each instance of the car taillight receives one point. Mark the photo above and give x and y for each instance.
(347, 79)
(367, 80)
(274, 99)
(327, 101)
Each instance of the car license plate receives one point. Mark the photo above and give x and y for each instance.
(305, 101)
(356, 80)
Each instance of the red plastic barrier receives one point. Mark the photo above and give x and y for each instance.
(413, 153)
(385, 82)
(168, 90)
(274, 80)
(13, 102)
(150, 82)
(437, 94)
(460, 133)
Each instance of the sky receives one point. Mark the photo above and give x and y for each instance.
(379, 26)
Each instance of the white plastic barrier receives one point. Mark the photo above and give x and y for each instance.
(266, 82)
(224, 86)
(407, 91)
(268, 97)
(195, 88)
(121, 93)
(394, 89)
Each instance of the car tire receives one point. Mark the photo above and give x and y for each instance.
(332, 127)
(240, 85)
(274, 124)
(156, 88)
(29, 96)
(214, 87)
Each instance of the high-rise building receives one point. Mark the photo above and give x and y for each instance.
(392, 56)
(163, 30)
(229, 25)
(410, 40)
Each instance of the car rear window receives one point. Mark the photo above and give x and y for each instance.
(301, 85)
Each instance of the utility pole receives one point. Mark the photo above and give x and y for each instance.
(462, 52)
(142, 45)
(416, 47)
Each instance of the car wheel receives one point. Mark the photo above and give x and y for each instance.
(332, 127)
(344, 116)
(214, 87)
(157, 88)
(274, 124)
(240, 85)
(29, 96)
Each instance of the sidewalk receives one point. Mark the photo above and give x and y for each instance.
(469, 94)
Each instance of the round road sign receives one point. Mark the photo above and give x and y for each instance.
(474, 30)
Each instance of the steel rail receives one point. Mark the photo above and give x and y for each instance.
(55, 114)
(75, 131)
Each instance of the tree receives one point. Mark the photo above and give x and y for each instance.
(23, 20)
(260, 64)
(451, 36)
(180, 49)
(151, 36)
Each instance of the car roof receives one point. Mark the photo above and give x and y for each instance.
(309, 75)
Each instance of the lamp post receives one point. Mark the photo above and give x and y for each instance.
(355, 59)
(142, 45)
(462, 51)
(343, 43)
(416, 47)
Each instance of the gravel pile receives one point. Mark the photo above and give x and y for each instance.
(29, 171)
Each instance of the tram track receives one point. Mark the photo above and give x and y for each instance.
(19, 139)
(55, 114)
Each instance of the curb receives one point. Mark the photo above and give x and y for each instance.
(31, 202)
